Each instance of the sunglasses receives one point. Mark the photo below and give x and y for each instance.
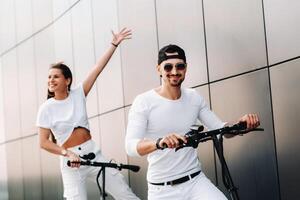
(179, 66)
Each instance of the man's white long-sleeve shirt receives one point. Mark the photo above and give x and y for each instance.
(152, 116)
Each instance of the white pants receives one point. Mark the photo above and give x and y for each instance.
(198, 188)
(74, 179)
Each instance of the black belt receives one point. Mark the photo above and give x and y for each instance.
(179, 180)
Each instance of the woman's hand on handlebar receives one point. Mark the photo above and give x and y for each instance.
(172, 140)
(73, 158)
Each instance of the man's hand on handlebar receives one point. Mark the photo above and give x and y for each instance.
(172, 141)
(252, 121)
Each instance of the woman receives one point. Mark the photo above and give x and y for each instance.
(64, 115)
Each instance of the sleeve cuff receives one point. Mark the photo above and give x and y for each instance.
(42, 126)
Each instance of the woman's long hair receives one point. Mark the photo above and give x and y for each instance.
(67, 74)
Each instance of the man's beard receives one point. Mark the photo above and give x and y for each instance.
(178, 84)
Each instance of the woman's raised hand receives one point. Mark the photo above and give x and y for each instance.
(124, 34)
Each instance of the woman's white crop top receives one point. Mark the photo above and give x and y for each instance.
(62, 116)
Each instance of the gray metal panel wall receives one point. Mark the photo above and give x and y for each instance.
(2, 116)
(235, 37)
(41, 14)
(110, 96)
(139, 56)
(83, 46)
(28, 86)
(11, 95)
(282, 29)
(95, 129)
(286, 97)
(62, 30)
(3, 174)
(15, 174)
(24, 22)
(251, 158)
(7, 25)
(31, 168)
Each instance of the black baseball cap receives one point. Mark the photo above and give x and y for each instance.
(171, 48)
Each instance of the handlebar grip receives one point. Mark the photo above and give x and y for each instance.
(259, 129)
(133, 168)
(164, 145)
(240, 126)
(69, 163)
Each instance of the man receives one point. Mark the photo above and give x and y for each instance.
(162, 116)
